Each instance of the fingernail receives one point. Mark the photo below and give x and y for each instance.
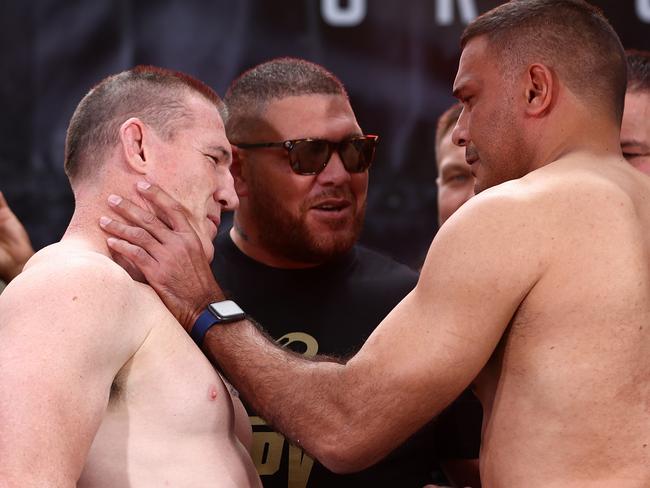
(104, 221)
(114, 200)
(111, 241)
(143, 185)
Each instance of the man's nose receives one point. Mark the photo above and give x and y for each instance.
(226, 195)
(460, 134)
(334, 172)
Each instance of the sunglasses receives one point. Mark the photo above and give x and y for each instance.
(310, 156)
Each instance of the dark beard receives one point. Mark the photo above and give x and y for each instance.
(285, 235)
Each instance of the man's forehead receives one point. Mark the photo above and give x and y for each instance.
(307, 115)
(472, 58)
(308, 103)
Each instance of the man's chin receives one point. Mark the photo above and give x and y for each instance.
(335, 244)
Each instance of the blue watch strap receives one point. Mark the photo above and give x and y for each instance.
(206, 320)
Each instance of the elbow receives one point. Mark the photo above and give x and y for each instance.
(345, 453)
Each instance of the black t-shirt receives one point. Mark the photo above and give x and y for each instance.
(329, 309)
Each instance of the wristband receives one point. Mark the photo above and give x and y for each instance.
(216, 313)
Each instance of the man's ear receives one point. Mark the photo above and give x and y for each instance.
(238, 171)
(541, 86)
(132, 140)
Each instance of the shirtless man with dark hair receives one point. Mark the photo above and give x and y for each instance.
(537, 291)
(100, 387)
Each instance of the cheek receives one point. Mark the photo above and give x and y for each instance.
(286, 191)
(359, 186)
(445, 197)
(454, 197)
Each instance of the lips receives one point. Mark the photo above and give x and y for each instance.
(331, 205)
(216, 220)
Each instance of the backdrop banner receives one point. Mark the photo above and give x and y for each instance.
(397, 59)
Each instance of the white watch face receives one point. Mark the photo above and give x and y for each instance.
(226, 309)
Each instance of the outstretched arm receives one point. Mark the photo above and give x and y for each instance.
(418, 360)
(15, 247)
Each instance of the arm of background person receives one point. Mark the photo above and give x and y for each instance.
(60, 350)
(426, 351)
(15, 247)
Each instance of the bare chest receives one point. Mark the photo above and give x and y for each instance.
(170, 381)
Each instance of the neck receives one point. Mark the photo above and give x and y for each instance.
(84, 226)
(581, 132)
(250, 245)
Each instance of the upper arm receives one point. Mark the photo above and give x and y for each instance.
(59, 356)
(432, 345)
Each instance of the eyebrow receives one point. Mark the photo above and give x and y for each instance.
(465, 83)
(460, 87)
(349, 135)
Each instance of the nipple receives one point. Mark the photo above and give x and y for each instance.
(212, 393)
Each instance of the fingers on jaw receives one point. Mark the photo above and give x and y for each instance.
(133, 253)
(135, 235)
(167, 209)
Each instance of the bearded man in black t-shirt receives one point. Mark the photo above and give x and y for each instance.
(291, 259)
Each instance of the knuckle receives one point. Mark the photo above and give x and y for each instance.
(140, 254)
(149, 218)
(138, 234)
(176, 207)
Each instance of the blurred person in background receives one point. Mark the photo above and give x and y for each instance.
(635, 131)
(455, 180)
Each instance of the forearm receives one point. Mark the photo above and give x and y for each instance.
(317, 404)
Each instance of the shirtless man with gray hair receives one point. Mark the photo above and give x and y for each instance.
(100, 387)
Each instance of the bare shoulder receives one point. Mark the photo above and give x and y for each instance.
(585, 184)
(572, 190)
(79, 288)
(57, 271)
(493, 220)
(556, 210)
(519, 224)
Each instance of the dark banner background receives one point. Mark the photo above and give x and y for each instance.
(397, 59)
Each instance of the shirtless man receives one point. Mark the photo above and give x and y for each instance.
(537, 291)
(100, 387)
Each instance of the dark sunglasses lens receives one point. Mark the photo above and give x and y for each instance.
(357, 154)
(309, 157)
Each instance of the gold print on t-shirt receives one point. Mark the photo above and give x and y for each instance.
(268, 445)
(292, 338)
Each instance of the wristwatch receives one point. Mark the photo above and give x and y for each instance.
(216, 313)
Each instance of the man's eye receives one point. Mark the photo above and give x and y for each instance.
(457, 178)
